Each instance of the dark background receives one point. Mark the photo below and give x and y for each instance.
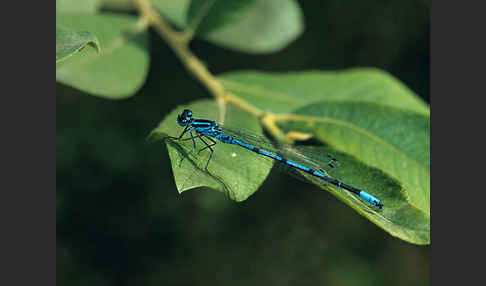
(120, 220)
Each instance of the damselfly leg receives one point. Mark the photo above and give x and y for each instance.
(208, 146)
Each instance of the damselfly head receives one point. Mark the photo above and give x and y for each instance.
(185, 117)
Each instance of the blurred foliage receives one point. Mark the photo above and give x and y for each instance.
(121, 67)
(120, 220)
(69, 42)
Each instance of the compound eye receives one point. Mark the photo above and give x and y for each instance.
(187, 114)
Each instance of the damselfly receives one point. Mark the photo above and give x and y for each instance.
(208, 129)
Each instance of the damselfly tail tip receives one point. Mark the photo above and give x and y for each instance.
(376, 202)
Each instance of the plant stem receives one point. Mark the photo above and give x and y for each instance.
(179, 43)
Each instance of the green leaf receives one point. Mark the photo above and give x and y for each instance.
(121, 68)
(392, 140)
(259, 26)
(76, 6)
(406, 211)
(69, 42)
(285, 92)
(224, 173)
(120, 5)
(252, 26)
(398, 216)
(174, 11)
(210, 15)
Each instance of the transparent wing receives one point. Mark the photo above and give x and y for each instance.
(313, 155)
(307, 156)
